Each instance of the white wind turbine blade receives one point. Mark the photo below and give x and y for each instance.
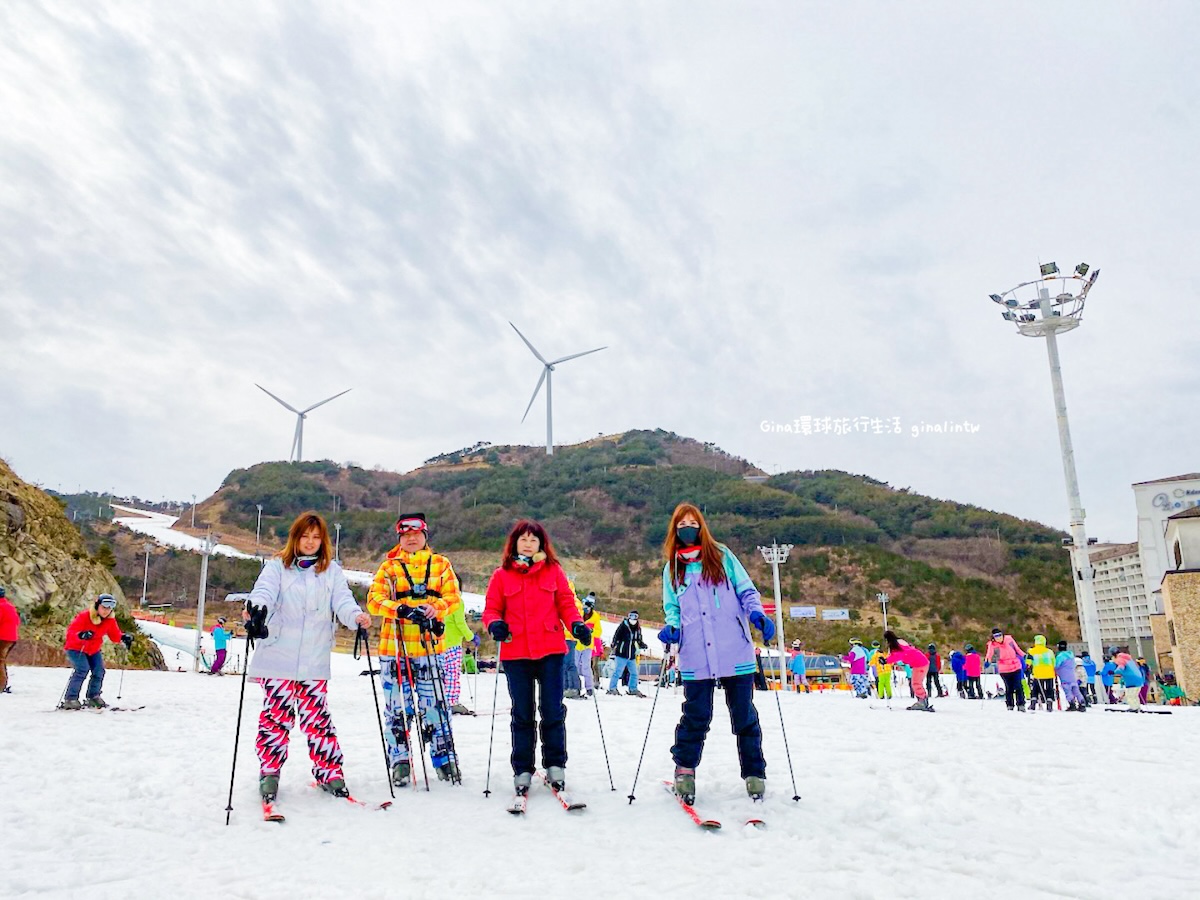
(276, 399)
(296, 436)
(532, 349)
(535, 392)
(326, 400)
(575, 356)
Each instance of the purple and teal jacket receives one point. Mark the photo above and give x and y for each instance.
(713, 620)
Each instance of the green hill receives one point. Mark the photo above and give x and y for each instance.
(952, 570)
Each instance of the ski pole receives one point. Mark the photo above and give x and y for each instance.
(596, 703)
(238, 732)
(786, 749)
(439, 700)
(492, 739)
(646, 740)
(122, 659)
(411, 680)
(362, 636)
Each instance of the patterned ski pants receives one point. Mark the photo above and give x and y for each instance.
(283, 701)
(861, 685)
(452, 672)
(398, 703)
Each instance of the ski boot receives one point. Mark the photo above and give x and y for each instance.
(922, 704)
(636, 694)
(685, 784)
(337, 787)
(557, 776)
(756, 787)
(589, 695)
(459, 710)
(71, 704)
(96, 703)
(448, 771)
(401, 773)
(571, 695)
(268, 787)
(521, 782)
(613, 693)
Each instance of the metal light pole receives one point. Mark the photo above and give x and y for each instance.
(883, 599)
(210, 543)
(776, 554)
(193, 510)
(337, 544)
(146, 572)
(258, 530)
(1045, 316)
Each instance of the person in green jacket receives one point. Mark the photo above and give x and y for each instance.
(457, 631)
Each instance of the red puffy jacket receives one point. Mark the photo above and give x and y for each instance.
(9, 620)
(535, 605)
(88, 620)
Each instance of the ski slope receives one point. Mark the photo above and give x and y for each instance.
(968, 800)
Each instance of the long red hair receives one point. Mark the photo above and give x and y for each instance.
(291, 549)
(528, 526)
(712, 563)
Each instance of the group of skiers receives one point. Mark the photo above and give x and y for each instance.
(1037, 675)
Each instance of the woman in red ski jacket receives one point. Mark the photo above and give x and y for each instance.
(85, 637)
(529, 602)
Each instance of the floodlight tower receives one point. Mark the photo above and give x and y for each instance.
(776, 555)
(1038, 314)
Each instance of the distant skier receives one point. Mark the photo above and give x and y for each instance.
(220, 640)
(973, 670)
(583, 654)
(10, 624)
(710, 606)
(458, 633)
(883, 676)
(627, 641)
(290, 614)
(1064, 670)
(1009, 663)
(414, 590)
(1042, 674)
(958, 665)
(857, 658)
(1089, 670)
(1131, 678)
(933, 678)
(85, 638)
(1108, 676)
(799, 667)
(904, 652)
(528, 603)
(1144, 693)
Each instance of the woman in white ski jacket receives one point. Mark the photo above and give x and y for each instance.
(298, 599)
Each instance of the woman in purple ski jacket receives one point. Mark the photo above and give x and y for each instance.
(710, 604)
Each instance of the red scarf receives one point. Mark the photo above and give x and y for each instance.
(689, 554)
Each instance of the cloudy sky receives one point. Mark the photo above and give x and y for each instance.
(765, 210)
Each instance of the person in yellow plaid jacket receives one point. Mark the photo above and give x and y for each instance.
(414, 590)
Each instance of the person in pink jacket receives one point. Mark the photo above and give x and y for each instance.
(1010, 663)
(973, 669)
(903, 652)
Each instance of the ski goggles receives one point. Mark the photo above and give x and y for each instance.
(409, 525)
(632, 617)
(108, 601)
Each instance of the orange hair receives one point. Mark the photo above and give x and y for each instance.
(291, 549)
(712, 563)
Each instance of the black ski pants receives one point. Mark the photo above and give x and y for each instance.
(933, 685)
(1042, 688)
(697, 717)
(974, 688)
(1013, 695)
(547, 674)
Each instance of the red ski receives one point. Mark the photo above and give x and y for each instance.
(384, 805)
(569, 803)
(269, 813)
(706, 824)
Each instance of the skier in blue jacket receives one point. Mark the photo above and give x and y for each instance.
(1089, 669)
(958, 665)
(1107, 677)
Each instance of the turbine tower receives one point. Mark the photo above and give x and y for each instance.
(547, 370)
(297, 452)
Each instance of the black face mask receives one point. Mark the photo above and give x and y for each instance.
(688, 534)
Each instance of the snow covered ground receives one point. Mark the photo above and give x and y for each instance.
(969, 801)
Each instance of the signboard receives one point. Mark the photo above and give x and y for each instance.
(769, 609)
(828, 614)
(802, 612)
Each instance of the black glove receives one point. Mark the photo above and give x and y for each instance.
(86, 635)
(417, 616)
(582, 633)
(642, 644)
(499, 631)
(437, 626)
(127, 640)
(256, 626)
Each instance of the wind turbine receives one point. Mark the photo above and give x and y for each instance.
(297, 450)
(546, 373)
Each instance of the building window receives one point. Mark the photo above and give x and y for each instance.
(1171, 631)
(1178, 556)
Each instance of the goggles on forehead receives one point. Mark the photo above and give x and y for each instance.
(405, 525)
(108, 601)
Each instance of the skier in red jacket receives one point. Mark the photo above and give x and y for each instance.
(85, 637)
(10, 623)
